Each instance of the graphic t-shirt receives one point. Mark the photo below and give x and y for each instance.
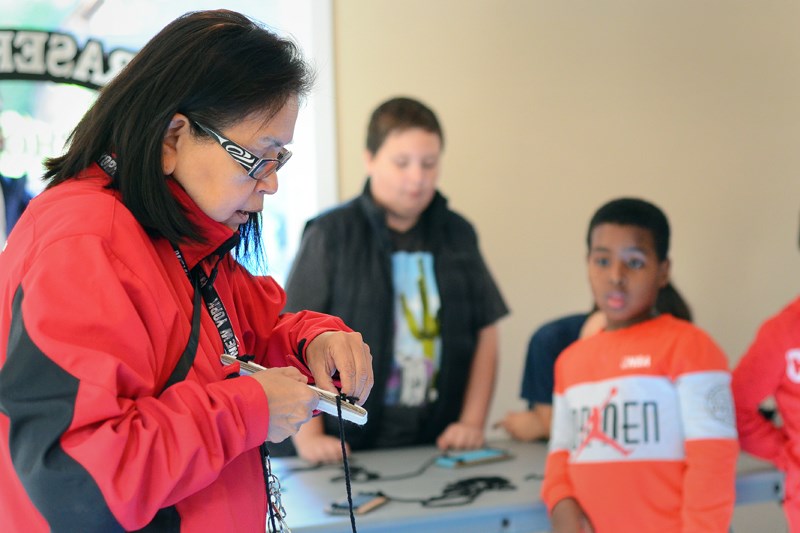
(417, 339)
(643, 433)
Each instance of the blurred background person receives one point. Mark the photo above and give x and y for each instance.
(398, 265)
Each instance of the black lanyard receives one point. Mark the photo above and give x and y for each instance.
(209, 294)
(213, 303)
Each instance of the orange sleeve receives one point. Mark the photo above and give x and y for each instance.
(556, 485)
(709, 485)
(711, 445)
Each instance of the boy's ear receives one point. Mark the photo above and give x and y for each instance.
(178, 126)
(663, 272)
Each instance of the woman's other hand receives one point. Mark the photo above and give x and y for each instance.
(347, 353)
(291, 401)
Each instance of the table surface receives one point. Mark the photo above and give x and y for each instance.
(308, 492)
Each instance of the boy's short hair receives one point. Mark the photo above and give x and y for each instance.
(634, 212)
(400, 113)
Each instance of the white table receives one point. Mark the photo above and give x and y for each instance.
(308, 493)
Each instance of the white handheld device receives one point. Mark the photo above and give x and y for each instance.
(327, 400)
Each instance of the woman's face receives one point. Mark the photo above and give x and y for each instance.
(404, 173)
(213, 179)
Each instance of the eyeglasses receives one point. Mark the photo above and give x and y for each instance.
(257, 168)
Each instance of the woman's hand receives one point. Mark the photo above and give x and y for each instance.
(347, 353)
(291, 402)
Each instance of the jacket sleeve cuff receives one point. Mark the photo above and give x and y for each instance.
(254, 408)
(302, 344)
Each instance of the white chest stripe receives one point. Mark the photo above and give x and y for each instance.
(639, 418)
(707, 405)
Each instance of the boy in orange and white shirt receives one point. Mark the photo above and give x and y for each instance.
(643, 436)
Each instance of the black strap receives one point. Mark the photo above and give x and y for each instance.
(360, 474)
(187, 357)
(203, 287)
(214, 304)
(344, 460)
(461, 492)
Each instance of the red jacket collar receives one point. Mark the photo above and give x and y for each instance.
(215, 233)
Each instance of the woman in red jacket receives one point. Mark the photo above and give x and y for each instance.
(119, 294)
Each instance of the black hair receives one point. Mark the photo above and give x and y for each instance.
(670, 301)
(634, 212)
(642, 214)
(400, 113)
(216, 67)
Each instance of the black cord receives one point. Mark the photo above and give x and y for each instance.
(359, 474)
(460, 492)
(286, 474)
(344, 460)
(465, 491)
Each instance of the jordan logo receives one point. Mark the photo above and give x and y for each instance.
(595, 425)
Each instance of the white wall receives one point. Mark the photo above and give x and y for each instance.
(552, 108)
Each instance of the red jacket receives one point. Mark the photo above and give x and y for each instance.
(771, 368)
(94, 315)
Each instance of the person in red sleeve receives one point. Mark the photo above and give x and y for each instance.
(643, 436)
(771, 369)
(120, 289)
